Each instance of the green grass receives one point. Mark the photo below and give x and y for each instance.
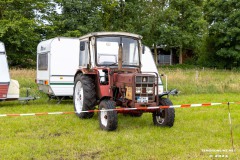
(195, 81)
(195, 131)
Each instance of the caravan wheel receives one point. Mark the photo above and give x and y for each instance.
(84, 96)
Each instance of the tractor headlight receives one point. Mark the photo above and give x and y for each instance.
(138, 90)
(149, 90)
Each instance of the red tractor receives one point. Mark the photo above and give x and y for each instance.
(110, 75)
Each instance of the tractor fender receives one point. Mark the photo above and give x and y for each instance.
(104, 98)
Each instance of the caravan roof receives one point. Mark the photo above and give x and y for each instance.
(45, 46)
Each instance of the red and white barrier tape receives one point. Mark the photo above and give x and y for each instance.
(35, 114)
(121, 109)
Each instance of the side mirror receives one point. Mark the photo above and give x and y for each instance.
(82, 46)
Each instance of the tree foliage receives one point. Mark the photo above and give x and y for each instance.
(209, 28)
(224, 31)
(20, 21)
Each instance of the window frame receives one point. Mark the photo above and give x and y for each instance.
(120, 36)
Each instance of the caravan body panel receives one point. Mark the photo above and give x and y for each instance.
(57, 61)
(13, 90)
(4, 73)
(148, 65)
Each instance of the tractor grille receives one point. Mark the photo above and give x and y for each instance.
(145, 88)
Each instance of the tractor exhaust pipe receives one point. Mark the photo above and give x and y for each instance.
(120, 55)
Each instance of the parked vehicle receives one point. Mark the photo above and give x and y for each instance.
(57, 62)
(9, 88)
(111, 75)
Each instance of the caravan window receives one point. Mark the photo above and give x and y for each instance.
(43, 61)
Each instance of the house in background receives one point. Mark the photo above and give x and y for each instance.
(170, 56)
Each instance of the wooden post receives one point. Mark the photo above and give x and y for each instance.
(171, 56)
(180, 55)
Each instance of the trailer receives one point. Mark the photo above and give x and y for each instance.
(9, 88)
(57, 61)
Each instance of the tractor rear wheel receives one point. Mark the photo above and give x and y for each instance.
(84, 96)
(164, 117)
(107, 119)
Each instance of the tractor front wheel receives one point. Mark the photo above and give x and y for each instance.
(164, 117)
(107, 117)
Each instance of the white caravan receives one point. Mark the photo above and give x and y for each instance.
(57, 61)
(9, 89)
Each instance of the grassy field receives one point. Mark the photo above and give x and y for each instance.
(198, 133)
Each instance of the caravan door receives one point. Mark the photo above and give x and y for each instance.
(4, 73)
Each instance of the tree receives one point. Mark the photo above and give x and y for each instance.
(224, 32)
(173, 23)
(80, 17)
(20, 21)
(153, 21)
(184, 26)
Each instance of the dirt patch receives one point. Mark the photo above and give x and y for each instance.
(90, 155)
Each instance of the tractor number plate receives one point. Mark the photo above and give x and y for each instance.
(142, 99)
